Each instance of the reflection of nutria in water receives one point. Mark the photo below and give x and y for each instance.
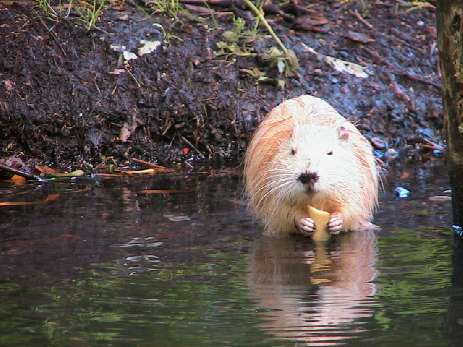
(305, 153)
(314, 293)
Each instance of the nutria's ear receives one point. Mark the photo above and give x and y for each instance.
(343, 134)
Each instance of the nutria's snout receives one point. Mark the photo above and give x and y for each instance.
(308, 178)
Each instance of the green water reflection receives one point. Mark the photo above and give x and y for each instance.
(107, 265)
(280, 292)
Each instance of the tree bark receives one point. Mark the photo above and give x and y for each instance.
(450, 42)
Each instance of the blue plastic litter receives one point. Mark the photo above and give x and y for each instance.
(458, 230)
(438, 153)
(402, 193)
(378, 154)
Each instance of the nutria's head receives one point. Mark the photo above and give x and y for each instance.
(314, 159)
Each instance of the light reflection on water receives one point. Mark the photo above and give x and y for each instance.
(318, 294)
(109, 264)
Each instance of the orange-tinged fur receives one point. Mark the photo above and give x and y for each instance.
(348, 182)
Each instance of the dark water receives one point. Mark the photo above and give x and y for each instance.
(103, 263)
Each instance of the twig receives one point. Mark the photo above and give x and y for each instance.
(395, 88)
(362, 20)
(151, 165)
(133, 77)
(193, 146)
(22, 173)
(52, 34)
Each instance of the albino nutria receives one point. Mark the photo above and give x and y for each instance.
(305, 153)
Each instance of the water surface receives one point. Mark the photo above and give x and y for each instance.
(111, 262)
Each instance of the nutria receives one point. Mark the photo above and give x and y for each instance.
(305, 153)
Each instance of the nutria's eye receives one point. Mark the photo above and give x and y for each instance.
(293, 151)
(330, 153)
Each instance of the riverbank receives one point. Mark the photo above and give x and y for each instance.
(74, 98)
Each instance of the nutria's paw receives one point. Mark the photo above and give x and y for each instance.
(336, 224)
(305, 226)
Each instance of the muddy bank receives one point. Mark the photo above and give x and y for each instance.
(69, 98)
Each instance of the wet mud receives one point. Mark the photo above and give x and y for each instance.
(69, 98)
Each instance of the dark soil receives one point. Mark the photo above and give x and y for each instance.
(68, 99)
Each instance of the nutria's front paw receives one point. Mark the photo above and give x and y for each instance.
(336, 224)
(305, 226)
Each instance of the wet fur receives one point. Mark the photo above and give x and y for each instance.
(348, 181)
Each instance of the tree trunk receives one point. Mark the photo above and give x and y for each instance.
(450, 41)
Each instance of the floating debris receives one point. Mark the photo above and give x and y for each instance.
(379, 154)
(75, 173)
(458, 230)
(401, 192)
(48, 199)
(440, 198)
(177, 218)
(144, 242)
(437, 153)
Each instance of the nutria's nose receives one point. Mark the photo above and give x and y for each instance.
(308, 177)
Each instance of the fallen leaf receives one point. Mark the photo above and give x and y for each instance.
(76, 173)
(43, 169)
(358, 37)
(311, 23)
(51, 197)
(18, 180)
(9, 86)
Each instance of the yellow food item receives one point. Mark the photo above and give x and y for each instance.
(321, 219)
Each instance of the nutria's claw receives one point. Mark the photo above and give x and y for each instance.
(335, 225)
(305, 226)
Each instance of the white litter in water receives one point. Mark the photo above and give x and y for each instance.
(177, 218)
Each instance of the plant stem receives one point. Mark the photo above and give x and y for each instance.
(261, 18)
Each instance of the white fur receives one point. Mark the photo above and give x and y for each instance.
(347, 177)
